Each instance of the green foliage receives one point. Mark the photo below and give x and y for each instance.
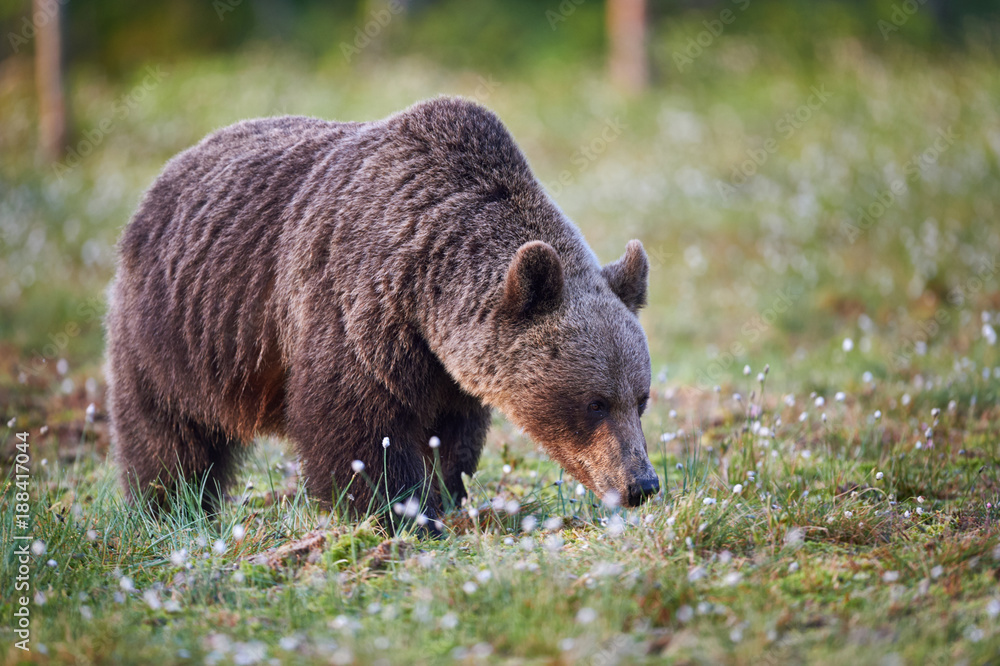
(350, 547)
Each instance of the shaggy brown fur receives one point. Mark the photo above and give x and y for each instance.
(338, 283)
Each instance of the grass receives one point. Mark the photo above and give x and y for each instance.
(796, 525)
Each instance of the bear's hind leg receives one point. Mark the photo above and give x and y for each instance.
(158, 449)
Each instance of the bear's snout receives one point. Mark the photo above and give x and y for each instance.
(642, 489)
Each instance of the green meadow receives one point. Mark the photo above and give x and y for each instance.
(824, 306)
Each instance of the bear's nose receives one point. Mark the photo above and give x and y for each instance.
(641, 490)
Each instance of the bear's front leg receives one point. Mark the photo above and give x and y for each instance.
(333, 427)
(462, 435)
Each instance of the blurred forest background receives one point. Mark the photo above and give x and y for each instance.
(816, 182)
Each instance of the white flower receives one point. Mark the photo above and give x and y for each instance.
(878, 414)
(746, 370)
(358, 466)
(411, 507)
(179, 557)
(91, 412)
(840, 396)
(760, 376)
(12, 422)
(580, 490)
(878, 476)
(989, 334)
(615, 526)
(385, 442)
(586, 615)
(820, 401)
(239, 531)
(611, 499)
(553, 523)
(38, 547)
(708, 501)
(867, 377)
(848, 514)
(219, 547)
(848, 344)
(473, 512)
(469, 587)
(738, 488)
(506, 469)
(554, 542)
(529, 523)
(890, 576)
(737, 397)
(152, 599)
(126, 584)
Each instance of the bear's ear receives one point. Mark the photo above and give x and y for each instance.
(534, 283)
(628, 277)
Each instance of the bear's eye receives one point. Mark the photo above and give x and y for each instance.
(643, 401)
(597, 408)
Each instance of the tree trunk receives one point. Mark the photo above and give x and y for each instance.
(49, 79)
(627, 44)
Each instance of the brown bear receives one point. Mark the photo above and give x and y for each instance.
(353, 285)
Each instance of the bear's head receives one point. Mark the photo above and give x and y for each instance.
(577, 373)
